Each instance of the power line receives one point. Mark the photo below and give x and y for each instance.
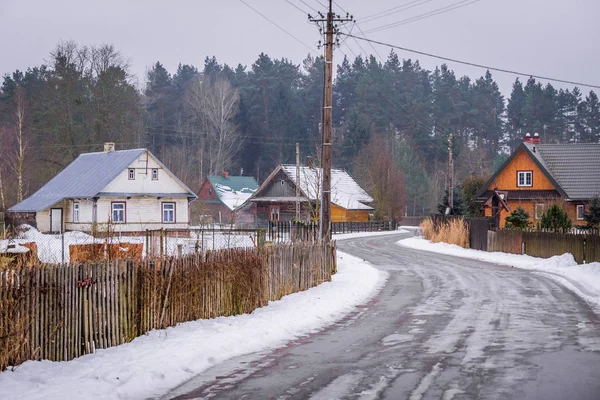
(394, 10)
(471, 64)
(442, 10)
(309, 6)
(277, 25)
(296, 7)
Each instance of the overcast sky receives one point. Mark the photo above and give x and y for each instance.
(556, 38)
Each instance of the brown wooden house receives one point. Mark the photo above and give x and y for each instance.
(276, 198)
(224, 198)
(537, 175)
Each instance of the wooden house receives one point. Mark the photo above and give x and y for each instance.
(537, 175)
(130, 189)
(276, 198)
(224, 198)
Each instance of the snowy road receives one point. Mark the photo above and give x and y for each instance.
(442, 328)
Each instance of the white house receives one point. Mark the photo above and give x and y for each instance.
(131, 189)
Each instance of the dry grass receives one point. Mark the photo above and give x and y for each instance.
(453, 231)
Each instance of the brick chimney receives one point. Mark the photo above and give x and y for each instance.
(109, 147)
(225, 174)
(535, 139)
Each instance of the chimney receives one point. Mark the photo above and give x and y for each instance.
(536, 139)
(528, 138)
(109, 147)
(225, 174)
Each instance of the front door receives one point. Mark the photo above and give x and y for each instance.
(56, 220)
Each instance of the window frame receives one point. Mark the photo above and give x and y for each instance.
(578, 215)
(274, 210)
(535, 211)
(162, 212)
(524, 178)
(112, 212)
(154, 174)
(76, 211)
(131, 174)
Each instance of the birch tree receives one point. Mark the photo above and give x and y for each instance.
(19, 158)
(215, 105)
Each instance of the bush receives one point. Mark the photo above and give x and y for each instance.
(556, 219)
(592, 215)
(451, 231)
(518, 219)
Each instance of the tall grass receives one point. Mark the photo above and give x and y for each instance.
(452, 231)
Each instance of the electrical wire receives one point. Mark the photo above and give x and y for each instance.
(442, 10)
(394, 10)
(296, 7)
(471, 64)
(277, 25)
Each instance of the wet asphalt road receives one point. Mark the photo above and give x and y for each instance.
(442, 328)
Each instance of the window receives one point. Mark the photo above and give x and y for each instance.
(76, 212)
(540, 209)
(154, 174)
(580, 212)
(118, 213)
(524, 178)
(274, 213)
(131, 174)
(168, 213)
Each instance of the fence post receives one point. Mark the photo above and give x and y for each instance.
(147, 243)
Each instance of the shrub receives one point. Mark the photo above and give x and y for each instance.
(556, 219)
(592, 215)
(451, 231)
(518, 219)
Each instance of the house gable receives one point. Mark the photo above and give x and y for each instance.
(143, 182)
(506, 179)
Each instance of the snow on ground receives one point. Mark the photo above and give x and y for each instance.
(153, 364)
(582, 279)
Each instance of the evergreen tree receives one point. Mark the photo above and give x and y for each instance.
(470, 187)
(556, 219)
(457, 201)
(518, 219)
(592, 215)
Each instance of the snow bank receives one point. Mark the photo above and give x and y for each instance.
(584, 280)
(153, 364)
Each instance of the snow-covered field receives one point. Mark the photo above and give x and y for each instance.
(582, 279)
(153, 364)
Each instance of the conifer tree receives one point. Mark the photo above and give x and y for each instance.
(592, 215)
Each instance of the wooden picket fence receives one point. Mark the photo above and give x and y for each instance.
(60, 312)
(584, 246)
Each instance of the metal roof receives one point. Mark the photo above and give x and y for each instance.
(345, 192)
(233, 191)
(84, 178)
(575, 167)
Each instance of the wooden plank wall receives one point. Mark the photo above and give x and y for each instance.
(585, 248)
(60, 312)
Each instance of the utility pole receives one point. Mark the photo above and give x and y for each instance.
(450, 175)
(330, 30)
(297, 182)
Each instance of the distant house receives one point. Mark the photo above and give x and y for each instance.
(537, 175)
(276, 198)
(223, 196)
(131, 189)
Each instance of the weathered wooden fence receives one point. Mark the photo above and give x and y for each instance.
(368, 226)
(59, 312)
(585, 247)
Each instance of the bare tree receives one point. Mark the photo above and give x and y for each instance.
(21, 142)
(215, 104)
(378, 172)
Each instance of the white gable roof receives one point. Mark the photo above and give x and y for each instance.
(345, 192)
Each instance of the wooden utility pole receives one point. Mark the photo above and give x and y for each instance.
(450, 175)
(297, 182)
(330, 30)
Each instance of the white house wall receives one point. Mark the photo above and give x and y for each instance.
(144, 213)
(143, 182)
